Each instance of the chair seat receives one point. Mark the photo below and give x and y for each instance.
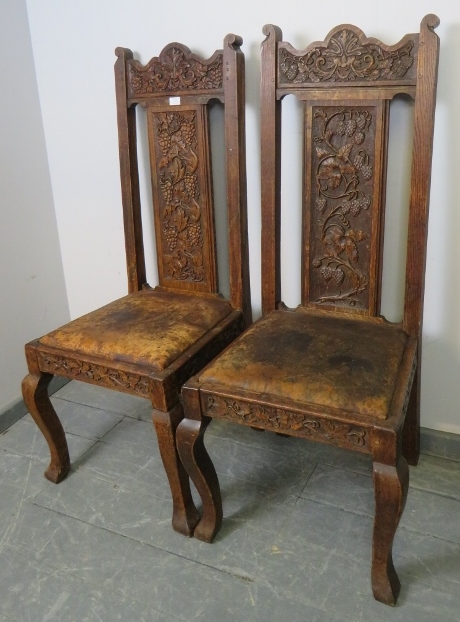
(151, 328)
(348, 364)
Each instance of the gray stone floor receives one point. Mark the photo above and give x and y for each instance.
(295, 544)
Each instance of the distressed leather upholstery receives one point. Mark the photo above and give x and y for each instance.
(146, 328)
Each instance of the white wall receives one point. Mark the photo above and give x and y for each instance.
(73, 43)
(33, 297)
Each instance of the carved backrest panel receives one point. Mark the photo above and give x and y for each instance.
(181, 181)
(344, 195)
(346, 84)
(176, 89)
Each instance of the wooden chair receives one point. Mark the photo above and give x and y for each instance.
(148, 342)
(332, 370)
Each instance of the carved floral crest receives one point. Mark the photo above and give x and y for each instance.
(180, 211)
(345, 59)
(343, 166)
(175, 70)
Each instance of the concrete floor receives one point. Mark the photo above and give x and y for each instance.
(295, 544)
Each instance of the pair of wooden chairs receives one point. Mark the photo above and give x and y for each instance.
(332, 370)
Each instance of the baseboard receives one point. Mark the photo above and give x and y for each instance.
(17, 409)
(440, 444)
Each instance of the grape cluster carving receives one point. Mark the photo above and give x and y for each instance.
(342, 165)
(181, 230)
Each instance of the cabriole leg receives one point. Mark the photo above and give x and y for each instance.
(35, 394)
(185, 515)
(391, 484)
(190, 444)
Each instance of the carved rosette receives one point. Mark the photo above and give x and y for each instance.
(179, 196)
(175, 70)
(346, 59)
(342, 188)
(96, 374)
(288, 422)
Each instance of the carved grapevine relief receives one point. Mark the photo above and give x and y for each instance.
(180, 210)
(342, 190)
(280, 420)
(97, 374)
(175, 71)
(345, 59)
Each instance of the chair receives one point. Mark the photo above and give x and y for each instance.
(332, 370)
(150, 341)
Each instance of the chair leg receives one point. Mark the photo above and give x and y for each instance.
(391, 484)
(185, 515)
(35, 394)
(411, 429)
(196, 460)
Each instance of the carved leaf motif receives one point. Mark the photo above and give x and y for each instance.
(98, 374)
(344, 153)
(345, 59)
(175, 71)
(281, 420)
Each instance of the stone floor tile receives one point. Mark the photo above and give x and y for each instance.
(344, 489)
(36, 592)
(436, 475)
(311, 451)
(106, 399)
(132, 431)
(268, 469)
(24, 438)
(427, 560)
(316, 524)
(338, 583)
(129, 569)
(21, 472)
(147, 519)
(432, 514)
(82, 420)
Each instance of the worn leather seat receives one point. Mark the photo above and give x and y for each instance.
(331, 362)
(149, 328)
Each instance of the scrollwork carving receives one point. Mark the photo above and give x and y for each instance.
(97, 374)
(346, 59)
(285, 421)
(175, 70)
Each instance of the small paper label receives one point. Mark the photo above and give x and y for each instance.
(174, 101)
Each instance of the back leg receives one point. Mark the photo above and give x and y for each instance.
(411, 429)
(35, 394)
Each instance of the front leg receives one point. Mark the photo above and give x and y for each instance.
(185, 515)
(391, 484)
(196, 460)
(35, 394)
